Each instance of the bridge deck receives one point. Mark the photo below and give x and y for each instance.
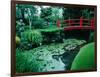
(78, 27)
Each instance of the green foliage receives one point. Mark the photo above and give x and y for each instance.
(36, 37)
(56, 14)
(25, 62)
(72, 13)
(51, 30)
(39, 24)
(33, 36)
(27, 13)
(17, 40)
(75, 12)
(85, 59)
(46, 14)
(91, 38)
(88, 13)
(52, 34)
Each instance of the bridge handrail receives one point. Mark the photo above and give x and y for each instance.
(80, 21)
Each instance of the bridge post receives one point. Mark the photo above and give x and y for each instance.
(81, 22)
(92, 23)
(58, 23)
(69, 22)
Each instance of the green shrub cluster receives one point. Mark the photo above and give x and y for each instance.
(85, 58)
(91, 37)
(17, 40)
(51, 30)
(30, 39)
(25, 62)
(52, 34)
(32, 36)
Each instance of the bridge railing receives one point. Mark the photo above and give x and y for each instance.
(81, 22)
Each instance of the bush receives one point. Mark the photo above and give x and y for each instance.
(39, 24)
(85, 59)
(25, 62)
(51, 30)
(33, 37)
(52, 34)
(17, 40)
(91, 38)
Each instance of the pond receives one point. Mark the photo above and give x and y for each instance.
(43, 60)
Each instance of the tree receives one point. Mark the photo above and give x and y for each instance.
(46, 13)
(27, 13)
(75, 12)
(57, 14)
(72, 12)
(88, 13)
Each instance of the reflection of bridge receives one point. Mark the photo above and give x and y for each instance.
(77, 24)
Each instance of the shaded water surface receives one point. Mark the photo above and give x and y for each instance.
(43, 55)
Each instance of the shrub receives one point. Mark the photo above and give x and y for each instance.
(51, 30)
(39, 24)
(91, 38)
(25, 62)
(85, 59)
(32, 37)
(52, 34)
(36, 37)
(17, 40)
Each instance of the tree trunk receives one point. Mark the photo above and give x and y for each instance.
(30, 24)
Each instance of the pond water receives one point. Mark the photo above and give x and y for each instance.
(43, 55)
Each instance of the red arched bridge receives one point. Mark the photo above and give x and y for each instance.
(81, 23)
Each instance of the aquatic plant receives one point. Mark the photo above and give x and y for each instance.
(85, 59)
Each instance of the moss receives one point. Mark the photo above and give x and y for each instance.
(85, 59)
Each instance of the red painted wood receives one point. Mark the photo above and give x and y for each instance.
(58, 23)
(92, 23)
(81, 21)
(78, 24)
(78, 27)
(69, 22)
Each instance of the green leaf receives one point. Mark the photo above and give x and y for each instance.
(85, 59)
